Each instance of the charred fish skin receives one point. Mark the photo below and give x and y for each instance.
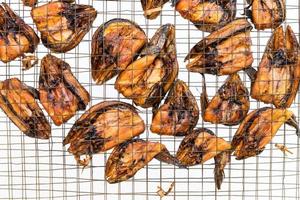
(266, 14)
(229, 106)
(223, 52)
(278, 76)
(207, 15)
(152, 8)
(18, 102)
(179, 114)
(128, 158)
(147, 80)
(199, 146)
(115, 44)
(16, 37)
(102, 127)
(258, 129)
(63, 25)
(60, 92)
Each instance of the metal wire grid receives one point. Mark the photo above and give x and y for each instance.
(35, 169)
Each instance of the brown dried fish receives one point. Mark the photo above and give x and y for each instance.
(29, 3)
(16, 37)
(115, 45)
(224, 51)
(207, 15)
(278, 76)
(29, 61)
(266, 13)
(128, 158)
(103, 127)
(17, 100)
(229, 106)
(258, 129)
(63, 25)
(152, 8)
(179, 114)
(60, 92)
(221, 161)
(148, 79)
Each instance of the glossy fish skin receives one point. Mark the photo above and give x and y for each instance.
(128, 158)
(18, 102)
(102, 127)
(200, 146)
(229, 106)
(115, 45)
(223, 52)
(63, 25)
(60, 92)
(148, 79)
(258, 129)
(278, 75)
(16, 37)
(207, 15)
(266, 14)
(152, 8)
(179, 114)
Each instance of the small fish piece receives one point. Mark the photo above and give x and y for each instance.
(128, 158)
(221, 161)
(207, 15)
(16, 37)
(152, 8)
(283, 148)
(102, 127)
(258, 129)
(278, 77)
(60, 92)
(223, 52)
(229, 106)
(30, 3)
(63, 25)
(147, 80)
(266, 14)
(179, 114)
(18, 102)
(115, 44)
(29, 61)
(163, 193)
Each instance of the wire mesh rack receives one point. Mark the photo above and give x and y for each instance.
(43, 169)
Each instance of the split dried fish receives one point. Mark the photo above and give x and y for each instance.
(115, 45)
(229, 106)
(266, 13)
(60, 92)
(278, 76)
(207, 15)
(128, 158)
(148, 79)
(16, 37)
(258, 129)
(221, 161)
(179, 114)
(152, 8)
(63, 25)
(17, 100)
(29, 3)
(224, 51)
(103, 127)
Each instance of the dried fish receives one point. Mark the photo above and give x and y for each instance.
(16, 37)
(29, 3)
(29, 62)
(229, 106)
(63, 25)
(224, 51)
(152, 8)
(60, 92)
(179, 114)
(221, 161)
(258, 129)
(128, 158)
(278, 76)
(149, 78)
(266, 13)
(115, 45)
(17, 100)
(103, 127)
(207, 15)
